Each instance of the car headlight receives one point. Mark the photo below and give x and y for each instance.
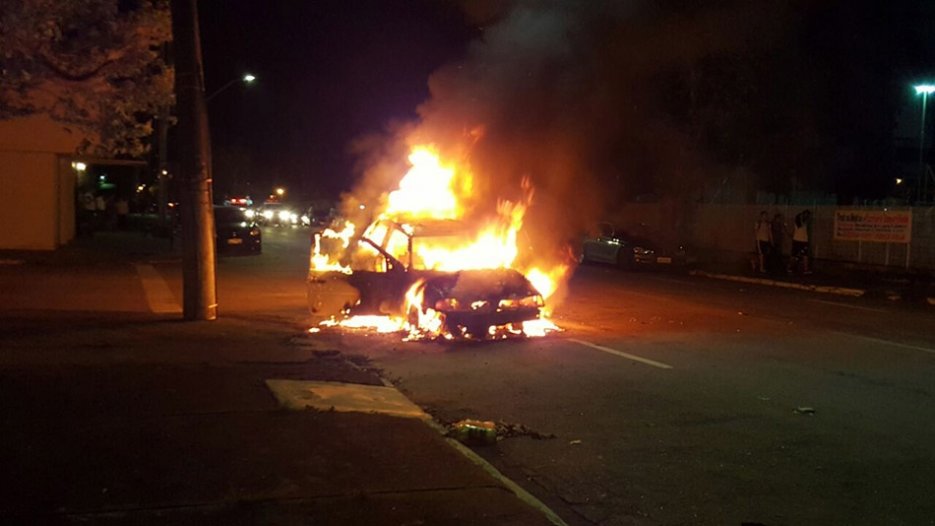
(249, 214)
(284, 215)
(267, 214)
(643, 251)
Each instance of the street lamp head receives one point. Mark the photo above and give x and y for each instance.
(924, 89)
(248, 78)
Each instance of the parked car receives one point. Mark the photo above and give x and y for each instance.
(235, 231)
(616, 247)
(384, 269)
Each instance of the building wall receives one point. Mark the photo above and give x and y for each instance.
(37, 184)
(30, 200)
(67, 180)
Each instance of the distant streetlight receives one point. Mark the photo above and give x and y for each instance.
(246, 79)
(924, 90)
(280, 192)
(79, 166)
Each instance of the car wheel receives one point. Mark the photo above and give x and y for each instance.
(583, 257)
(477, 331)
(625, 259)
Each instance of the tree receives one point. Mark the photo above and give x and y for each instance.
(96, 64)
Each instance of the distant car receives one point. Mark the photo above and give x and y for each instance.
(276, 214)
(235, 231)
(616, 247)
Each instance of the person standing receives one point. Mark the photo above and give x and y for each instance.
(763, 232)
(800, 242)
(780, 233)
(122, 207)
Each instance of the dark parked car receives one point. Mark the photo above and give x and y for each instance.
(235, 231)
(383, 269)
(616, 247)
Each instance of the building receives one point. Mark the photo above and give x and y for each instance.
(37, 182)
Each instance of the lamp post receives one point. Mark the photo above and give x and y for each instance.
(924, 90)
(246, 79)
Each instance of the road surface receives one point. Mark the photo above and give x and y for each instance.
(674, 400)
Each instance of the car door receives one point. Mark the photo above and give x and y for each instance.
(608, 243)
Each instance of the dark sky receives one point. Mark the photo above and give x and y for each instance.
(328, 71)
(633, 96)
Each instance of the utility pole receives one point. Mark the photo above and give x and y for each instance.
(162, 165)
(197, 214)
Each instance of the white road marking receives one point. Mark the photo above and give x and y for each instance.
(887, 342)
(157, 292)
(848, 305)
(628, 356)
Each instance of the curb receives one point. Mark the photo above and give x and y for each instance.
(824, 289)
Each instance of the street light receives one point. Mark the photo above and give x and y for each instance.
(924, 90)
(280, 192)
(246, 79)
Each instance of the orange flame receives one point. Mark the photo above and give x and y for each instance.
(433, 190)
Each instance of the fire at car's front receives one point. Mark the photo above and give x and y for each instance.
(430, 268)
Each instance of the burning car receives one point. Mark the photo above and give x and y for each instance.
(389, 271)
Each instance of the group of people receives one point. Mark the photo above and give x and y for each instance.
(98, 211)
(770, 235)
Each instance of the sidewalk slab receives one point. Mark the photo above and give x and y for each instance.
(343, 397)
(117, 444)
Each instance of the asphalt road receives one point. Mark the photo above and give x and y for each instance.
(675, 400)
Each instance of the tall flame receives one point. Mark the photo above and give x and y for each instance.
(426, 191)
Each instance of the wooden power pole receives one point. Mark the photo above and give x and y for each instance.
(197, 214)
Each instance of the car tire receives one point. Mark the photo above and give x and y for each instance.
(478, 331)
(625, 260)
(583, 258)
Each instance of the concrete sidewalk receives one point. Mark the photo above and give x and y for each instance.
(830, 278)
(114, 413)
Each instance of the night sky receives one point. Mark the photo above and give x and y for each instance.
(328, 71)
(622, 97)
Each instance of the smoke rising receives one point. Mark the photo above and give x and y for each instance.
(564, 93)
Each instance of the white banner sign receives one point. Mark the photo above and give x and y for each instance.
(882, 226)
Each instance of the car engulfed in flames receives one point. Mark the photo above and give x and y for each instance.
(422, 269)
(386, 289)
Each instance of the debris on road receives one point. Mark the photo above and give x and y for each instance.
(474, 432)
(478, 432)
(574, 442)
(804, 411)
(508, 430)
